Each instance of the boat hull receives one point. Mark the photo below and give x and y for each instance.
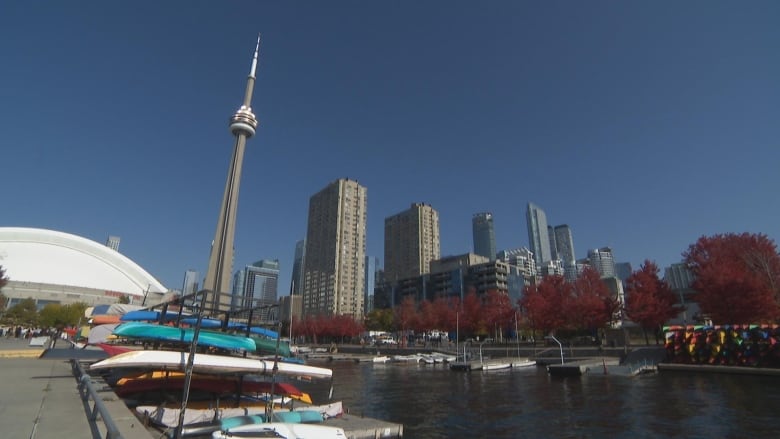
(207, 363)
(162, 333)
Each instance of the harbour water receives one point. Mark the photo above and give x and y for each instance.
(433, 402)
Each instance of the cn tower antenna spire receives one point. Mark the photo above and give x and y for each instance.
(251, 80)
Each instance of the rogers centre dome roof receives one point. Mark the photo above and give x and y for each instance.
(50, 257)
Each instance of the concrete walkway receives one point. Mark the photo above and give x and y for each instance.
(39, 397)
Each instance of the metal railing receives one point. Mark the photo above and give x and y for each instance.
(98, 410)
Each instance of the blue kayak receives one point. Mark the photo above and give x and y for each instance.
(147, 316)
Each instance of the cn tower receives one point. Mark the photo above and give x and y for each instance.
(217, 282)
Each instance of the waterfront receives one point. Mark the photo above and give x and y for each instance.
(434, 402)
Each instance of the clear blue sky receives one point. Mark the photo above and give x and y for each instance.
(643, 125)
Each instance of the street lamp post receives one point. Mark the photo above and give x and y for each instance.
(559, 345)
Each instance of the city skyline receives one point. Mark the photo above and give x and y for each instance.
(641, 126)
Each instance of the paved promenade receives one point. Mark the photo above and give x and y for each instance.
(39, 397)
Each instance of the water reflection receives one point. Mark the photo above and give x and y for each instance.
(434, 402)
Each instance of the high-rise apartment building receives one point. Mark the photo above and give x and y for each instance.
(538, 237)
(334, 264)
(484, 235)
(411, 242)
(296, 283)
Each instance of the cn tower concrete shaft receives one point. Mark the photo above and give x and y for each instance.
(217, 282)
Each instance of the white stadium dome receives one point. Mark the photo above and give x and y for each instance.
(40, 256)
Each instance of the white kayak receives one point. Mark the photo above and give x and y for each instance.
(207, 363)
(281, 430)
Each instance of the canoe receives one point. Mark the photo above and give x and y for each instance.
(207, 363)
(154, 332)
(266, 345)
(283, 429)
(164, 380)
(103, 319)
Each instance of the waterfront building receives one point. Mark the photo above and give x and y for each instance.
(603, 261)
(484, 235)
(372, 267)
(217, 282)
(411, 242)
(113, 242)
(334, 264)
(296, 283)
(538, 237)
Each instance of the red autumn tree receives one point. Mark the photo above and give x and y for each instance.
(546, 304)
(428, 318)
(406, 316)
(444, 310)
(737, 277)
(592, 304)
(472, 322)
(344, 327)
(649, 300)
(497, 311)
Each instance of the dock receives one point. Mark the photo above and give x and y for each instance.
(578, 368)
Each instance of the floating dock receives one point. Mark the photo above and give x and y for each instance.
(578, 368)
